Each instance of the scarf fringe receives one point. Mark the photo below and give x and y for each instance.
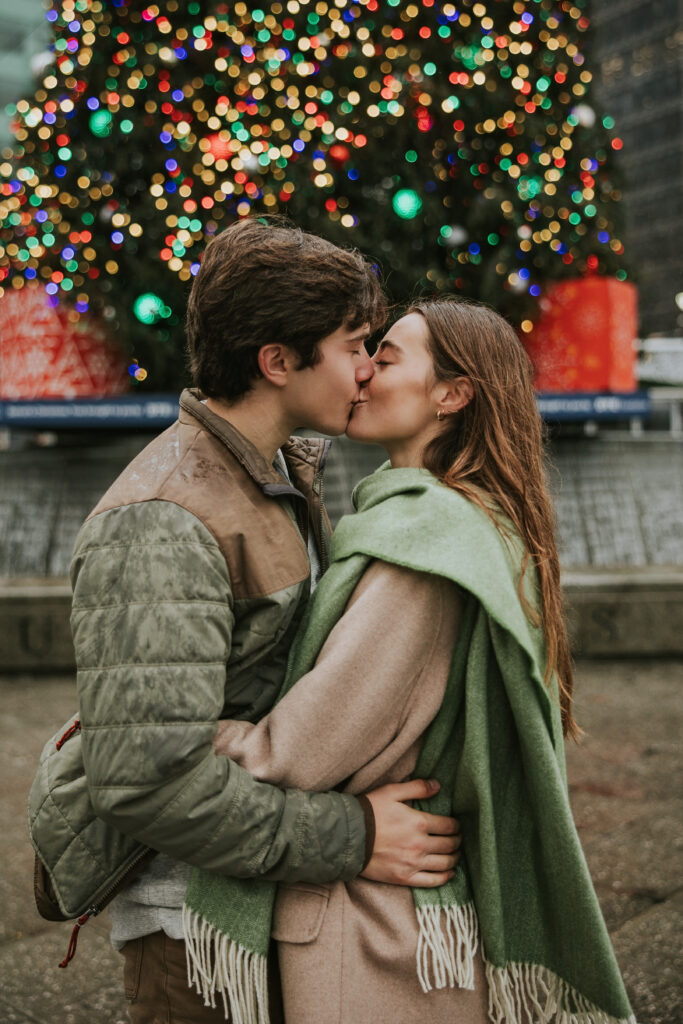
(446, 950)
(218, 965)
(446, 946)
(519, 993)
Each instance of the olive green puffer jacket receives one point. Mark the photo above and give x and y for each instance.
(189, 579)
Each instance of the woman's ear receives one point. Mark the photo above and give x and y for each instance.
(275, 361)
(456, 395)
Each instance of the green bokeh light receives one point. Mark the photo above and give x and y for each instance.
(406, 203)
(100, 123)
(148, 308)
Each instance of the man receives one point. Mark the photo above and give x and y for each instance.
(189, 580)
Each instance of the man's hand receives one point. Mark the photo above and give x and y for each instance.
(411, 847)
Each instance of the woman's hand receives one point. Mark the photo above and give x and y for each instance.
(411, 847)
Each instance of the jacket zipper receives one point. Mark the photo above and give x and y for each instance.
(322, 545)
(318, 486)
(96, 908)
(71, 731)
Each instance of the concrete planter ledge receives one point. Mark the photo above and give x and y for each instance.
(35, 634)
(622, 579)
(613, 613)
(625, 612)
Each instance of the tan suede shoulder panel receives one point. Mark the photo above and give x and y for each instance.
(188, 466)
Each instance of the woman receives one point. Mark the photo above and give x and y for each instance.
(434, 644)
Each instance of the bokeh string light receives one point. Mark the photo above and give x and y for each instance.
(457, 144)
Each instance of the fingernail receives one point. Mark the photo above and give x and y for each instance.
(433, 785)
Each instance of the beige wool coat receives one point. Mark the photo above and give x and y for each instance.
(348, 950)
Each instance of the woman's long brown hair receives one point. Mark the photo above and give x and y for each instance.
(493, 451)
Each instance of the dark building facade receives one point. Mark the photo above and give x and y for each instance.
(637, 56)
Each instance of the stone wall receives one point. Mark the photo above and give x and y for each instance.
(620, 530)
(619, 503)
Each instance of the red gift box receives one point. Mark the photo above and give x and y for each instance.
(583, 338)
(45, 354)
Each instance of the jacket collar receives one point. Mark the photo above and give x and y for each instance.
(305, 456)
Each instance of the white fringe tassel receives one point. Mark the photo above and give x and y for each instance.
(523, 993)
(216, 964)
(446, 946)
(518, 994)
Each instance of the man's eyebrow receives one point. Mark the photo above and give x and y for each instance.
(359, 336)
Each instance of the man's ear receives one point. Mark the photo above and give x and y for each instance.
(456, 394)
(276, 361)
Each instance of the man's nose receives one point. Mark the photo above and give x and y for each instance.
(365, 370)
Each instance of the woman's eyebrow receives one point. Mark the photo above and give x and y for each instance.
(386, 343)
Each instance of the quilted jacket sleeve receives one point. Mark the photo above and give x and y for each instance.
(152, 623)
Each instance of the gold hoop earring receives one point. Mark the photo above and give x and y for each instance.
(440, 414)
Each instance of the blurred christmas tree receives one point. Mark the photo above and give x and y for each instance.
(456, 144)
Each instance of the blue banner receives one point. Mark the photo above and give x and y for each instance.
(158, 411)
(557, 408)
(153, 411)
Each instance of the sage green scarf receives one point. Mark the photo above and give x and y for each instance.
(496, 747)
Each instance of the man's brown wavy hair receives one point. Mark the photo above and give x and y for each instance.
(493, 452)
(265, 281)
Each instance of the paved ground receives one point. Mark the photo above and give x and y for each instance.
(627, 801)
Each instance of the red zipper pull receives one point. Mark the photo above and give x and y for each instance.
(73, 941)
(68, 734)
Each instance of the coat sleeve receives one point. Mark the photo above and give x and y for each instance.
(152, 622)
(377, 683)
